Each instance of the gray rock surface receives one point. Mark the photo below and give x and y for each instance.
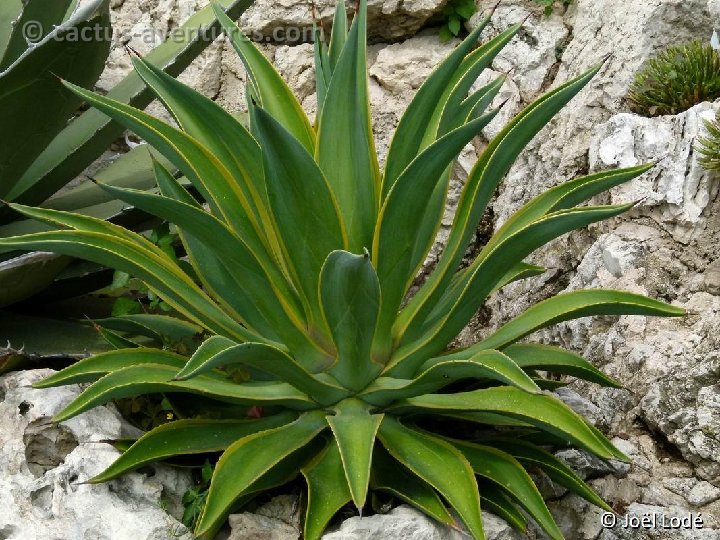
(43, 465)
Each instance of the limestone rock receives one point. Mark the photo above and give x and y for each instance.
(406, 523)
(677, 191)
(41, 464)
(292, 20)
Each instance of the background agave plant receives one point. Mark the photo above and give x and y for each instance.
(677, 79)
(302, 255)
(38, 127)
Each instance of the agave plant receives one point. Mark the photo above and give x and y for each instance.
(303, 254)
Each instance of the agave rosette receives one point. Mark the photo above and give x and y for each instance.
(303, 254)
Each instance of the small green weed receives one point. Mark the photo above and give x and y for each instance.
(456, 12)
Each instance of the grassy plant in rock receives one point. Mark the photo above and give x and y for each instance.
(709, 146)
(677, 79)
(303, 251)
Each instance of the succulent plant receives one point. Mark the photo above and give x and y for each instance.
(303, 254)
(709, 146)
(678, 78)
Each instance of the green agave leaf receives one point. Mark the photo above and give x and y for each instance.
(9, 12)
(439, 372)
(192, 436)
(505, 471)
(209, 348)
(266, 297)
(34, 108)
(328, 490)
(88, 136)
(390, 476)
(557, 360)
(518, 272)
(267, 359)
(350, 298)
(303, 205)
(161, 275)
(483, 276)
(322, 70)
(439, 464)
(196, 162)
(270, 89)
(249, 459)
(472, 107)
(489, 170)
(45, 16)
(345, 150)
(222, 134)
(93, 368)
(545, 412)
(28, 273)
(458, 104)
(227, 289)
(529, 454)
(340, 34)
(407, 141)
(285, 471)
(160, 327)
(354, 429)
(566, 195)
(58, 339)
(499, 503)
(115, 340)
(154, 378)
(574, 305)
(395, 243)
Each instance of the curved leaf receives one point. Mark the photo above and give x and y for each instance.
(182, 437)
(395, 243)
(574, 305)
(505, 471)
(456, 310)
(93, 368)
(545, 412)
(480, 186)
(303, 205)
(555, 468)
(155, 378)
(274, 94)
(345, 148)
(390, 476)
(499, 503)
(327, 492)
(439, 372)
(557, 360)
(269, 360)
(407, 141)
(248, 460)
(439, 464)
